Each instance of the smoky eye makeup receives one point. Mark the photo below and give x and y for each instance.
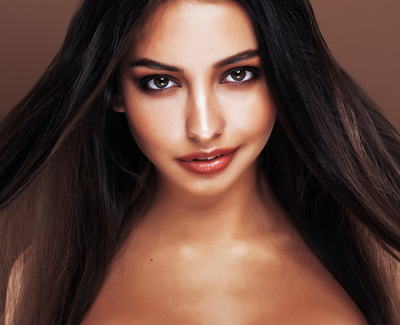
(241, 75)
(237, 76)
(157, 82)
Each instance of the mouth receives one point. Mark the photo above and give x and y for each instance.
(207, 163)
(208, 156)
(207, 159)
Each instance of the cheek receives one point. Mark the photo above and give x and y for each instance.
(253, 116)
(265, 118)
(153, 127)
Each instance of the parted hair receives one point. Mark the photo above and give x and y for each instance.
(73, 182)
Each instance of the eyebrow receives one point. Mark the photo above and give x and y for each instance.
(237, 58)
(154, 65)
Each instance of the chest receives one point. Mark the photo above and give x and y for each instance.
(230, 287)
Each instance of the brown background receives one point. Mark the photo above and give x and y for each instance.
(364, 36)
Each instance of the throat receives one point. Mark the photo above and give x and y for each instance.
(210, 220)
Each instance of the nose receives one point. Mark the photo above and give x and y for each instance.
(204, 117)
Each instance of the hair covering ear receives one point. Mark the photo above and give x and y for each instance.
(117, 104)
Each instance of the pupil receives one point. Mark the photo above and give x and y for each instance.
(238, 75)
(161, 82)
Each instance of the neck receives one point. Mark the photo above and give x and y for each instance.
(243, 211)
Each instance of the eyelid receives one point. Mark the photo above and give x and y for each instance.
(143, 81)
(256, 73)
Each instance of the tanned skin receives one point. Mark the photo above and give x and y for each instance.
(213, 248)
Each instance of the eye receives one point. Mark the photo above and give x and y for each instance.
(239, 75)
(158, 83)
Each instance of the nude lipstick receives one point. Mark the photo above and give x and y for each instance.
(207, 163)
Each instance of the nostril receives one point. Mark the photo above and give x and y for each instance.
(204, 128)
(204, 136)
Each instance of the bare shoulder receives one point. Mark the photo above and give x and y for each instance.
(325, 302)
(329, 319)
(315, 295)
(341, 314)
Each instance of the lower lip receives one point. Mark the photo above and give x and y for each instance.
(210, 167)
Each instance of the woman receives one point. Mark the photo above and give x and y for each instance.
(198, 162)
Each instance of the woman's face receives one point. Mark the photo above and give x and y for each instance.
(195, 98)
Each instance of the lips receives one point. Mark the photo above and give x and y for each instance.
(207, 163)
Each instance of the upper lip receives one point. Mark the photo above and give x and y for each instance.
(205, 154)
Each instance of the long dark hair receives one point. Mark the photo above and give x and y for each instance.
(73, 182)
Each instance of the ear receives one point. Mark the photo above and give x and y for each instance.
(117, 104)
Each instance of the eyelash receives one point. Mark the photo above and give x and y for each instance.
(255, 74)
(144, 81)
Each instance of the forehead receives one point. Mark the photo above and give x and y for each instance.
(193, 27)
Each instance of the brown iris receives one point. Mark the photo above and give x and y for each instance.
(161, 82)
(238, 75)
